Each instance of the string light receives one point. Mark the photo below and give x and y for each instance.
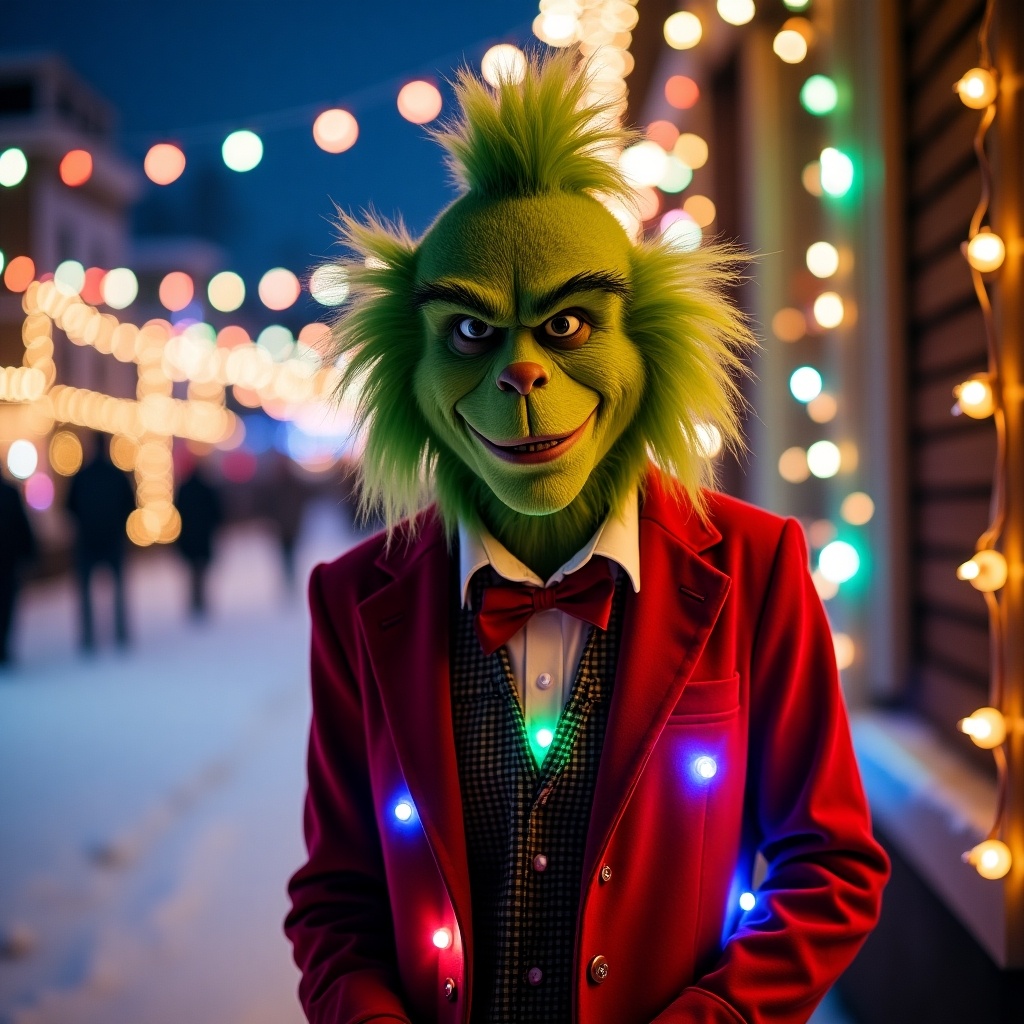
(829, 310)
(419, 102)
(823, 459)
(22, 459)
(991, 859)
(836, 172)
(226, 291)
(790, 45)
(643, 163)
(242, 151)
(164, 163)
(335, 130)
(986, 571)
(120, 288)
(503, 62)
(986, 727)
(822, 259)
(974, 397)
(986, 251)
(736, 12)
(977, 89)
(819, 95)
(75, 168)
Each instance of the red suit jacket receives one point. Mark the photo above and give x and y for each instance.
(726, 655)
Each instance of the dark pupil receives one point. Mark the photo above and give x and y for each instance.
(560, 325)
(476, 328)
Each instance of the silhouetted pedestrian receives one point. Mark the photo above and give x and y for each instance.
(285, 504)
(17, 546)
(100, 499)
(201, 511)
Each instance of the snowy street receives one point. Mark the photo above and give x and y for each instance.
(151, 798)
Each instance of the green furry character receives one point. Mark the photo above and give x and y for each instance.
(557, 718)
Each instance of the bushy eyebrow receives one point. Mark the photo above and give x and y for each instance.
(459, 295)
(587, 281)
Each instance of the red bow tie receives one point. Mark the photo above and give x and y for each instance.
(585, 594)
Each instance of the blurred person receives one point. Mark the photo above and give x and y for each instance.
(202, 512)
(17, 547)
(100, 499)
(285, 504)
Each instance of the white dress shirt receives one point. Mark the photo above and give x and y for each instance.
(545, 653)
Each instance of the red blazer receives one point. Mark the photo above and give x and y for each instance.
(726, 654)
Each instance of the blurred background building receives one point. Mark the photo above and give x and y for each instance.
(159, 290)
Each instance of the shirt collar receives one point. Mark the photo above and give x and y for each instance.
(617, 539)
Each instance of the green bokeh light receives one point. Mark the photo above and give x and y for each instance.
(819, 95)
(836, 172)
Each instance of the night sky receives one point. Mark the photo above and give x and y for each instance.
(191, 71)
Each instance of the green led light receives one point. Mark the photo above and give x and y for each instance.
(797, 5)
(836, 172)
(819, 95)
(544, 738)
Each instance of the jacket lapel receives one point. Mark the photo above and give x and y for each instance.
(664, 631)
(406, 629)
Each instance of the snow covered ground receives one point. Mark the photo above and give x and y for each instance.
(150, 799)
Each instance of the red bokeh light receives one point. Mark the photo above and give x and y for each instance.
(232, 335)
(76, 167)
(238, 466)
(681, 92)
(664, 133)
(176, 291)
(19, 273)
(164, 163)
(92, 289)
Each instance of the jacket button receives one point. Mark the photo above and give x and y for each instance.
(451, 990)
(606, 873)
(598, 970)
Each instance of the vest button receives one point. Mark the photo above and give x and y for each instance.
(598, 970)
(606, 873)
(451, 990)
(544, 680)
(534, 975)
(540, 863)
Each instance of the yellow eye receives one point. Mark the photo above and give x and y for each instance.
(565, 325)
(474, 329)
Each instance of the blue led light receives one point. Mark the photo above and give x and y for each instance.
(705, 767)
(747, 901)
(404, 811)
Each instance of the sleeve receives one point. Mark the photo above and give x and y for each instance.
(809, 817)
(340, 923)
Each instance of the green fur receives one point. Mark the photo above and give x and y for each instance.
(660, 361)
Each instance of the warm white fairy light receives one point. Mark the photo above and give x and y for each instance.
(986, 727)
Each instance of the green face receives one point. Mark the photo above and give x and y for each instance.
(527, 374)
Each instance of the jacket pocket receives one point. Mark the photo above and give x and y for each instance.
(707, 700)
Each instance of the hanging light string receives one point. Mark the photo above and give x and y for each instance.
(978, 397)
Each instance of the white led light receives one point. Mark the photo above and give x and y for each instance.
(403, 810)
(747, 901)
(442, 938)
(705, 767)
(544, 737)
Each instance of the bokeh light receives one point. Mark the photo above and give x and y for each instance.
(823, 459)
(22, 459)
(648, 203)
(176, 291)
(39, 492)
(503, 62)
(810, 178)
(677, 176)
(790, 46)
(793, 465)
(419, 102)
(335, 130)
(242, 150)
(276, 340)
(829, 310)
(986, 251)
(643, 163)
(13, 167)
(820, 532)
(857, 508)
(556, 27)
(683, 233)
(120, 287)
(823, 409)
(692, 150)
(838, 561)
(805, 383)
(845, 649)
(232, 336)
(708, 440)
(789, 324)
(69, 277)
(822, 259)
(164, 163)
(19, 273)
(279, 288)
(819, 95)
(701, 209)
(65, 453)
(664, 133)
(977, 89)
(736, 12)
(76, 167)
(681, 92)
(92, 287)
(836, 172)
(683, 30)
(328, 284)
(226, 291)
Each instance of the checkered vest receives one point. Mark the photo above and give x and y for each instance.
(525, 919)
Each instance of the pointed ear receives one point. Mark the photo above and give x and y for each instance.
(377, 341)
(695, 343)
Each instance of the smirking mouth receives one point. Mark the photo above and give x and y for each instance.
(535, 448)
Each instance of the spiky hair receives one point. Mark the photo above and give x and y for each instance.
(527, 138)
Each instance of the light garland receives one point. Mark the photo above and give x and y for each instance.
(980, 397)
